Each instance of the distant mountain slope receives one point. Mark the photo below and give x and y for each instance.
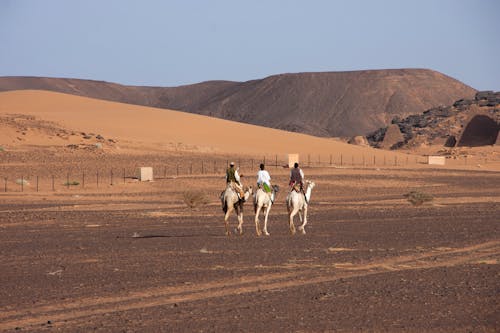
(321, 104)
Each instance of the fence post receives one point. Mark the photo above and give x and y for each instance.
(215, 168)
(97, 178)
(37, 183)
(177, 168)
(22, 183)
(53, 183)
(67, 180)
(374, 160)
(202, 168)
(125, 177)
(395, 160)
(5, 184)
(341, 160)
(83, 179)
(319, 161)
(308, 160)
(363, 160)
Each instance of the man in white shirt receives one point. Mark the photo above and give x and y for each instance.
(264, 179)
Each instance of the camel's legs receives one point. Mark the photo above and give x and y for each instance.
(268, 209)
(257, 226)
(240, 222)
(302, 227)
(226, 221)
(292, 226)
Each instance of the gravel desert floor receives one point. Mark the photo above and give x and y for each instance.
(133, 256)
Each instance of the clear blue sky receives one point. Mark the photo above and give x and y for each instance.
(169, 43)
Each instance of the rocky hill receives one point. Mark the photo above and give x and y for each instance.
(468, 122)
(323, 104)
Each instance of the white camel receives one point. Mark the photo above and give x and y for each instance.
(262, 200)
(231, 201)
(296, 202)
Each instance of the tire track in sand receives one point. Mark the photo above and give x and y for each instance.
(86, 307)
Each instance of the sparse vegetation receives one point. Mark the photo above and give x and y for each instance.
(22, 181)
(194, 199)
(72, 183)
(2, 148)
(417, 198)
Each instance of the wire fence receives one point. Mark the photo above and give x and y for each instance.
(37, 180)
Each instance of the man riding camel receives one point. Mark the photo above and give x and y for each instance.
(297, 178)
(233, 178)
(264, 180)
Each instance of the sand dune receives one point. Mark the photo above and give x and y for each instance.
(328, 104)
(152, 128)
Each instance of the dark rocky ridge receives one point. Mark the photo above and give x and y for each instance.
(468, 122)
(321, 104)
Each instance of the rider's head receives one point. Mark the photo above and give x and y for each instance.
(262, 166)
(296, 165)
(231, 164)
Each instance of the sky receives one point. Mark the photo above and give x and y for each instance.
(171, 43)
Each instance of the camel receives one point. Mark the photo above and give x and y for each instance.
(296, 202)
(262, 200)
(231, 201)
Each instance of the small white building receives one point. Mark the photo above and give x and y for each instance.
(145, 174)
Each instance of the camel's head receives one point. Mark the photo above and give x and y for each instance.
(310, 184)
(248, 192)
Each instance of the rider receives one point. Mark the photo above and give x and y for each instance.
(233, 178)
(296, 178)
(264, 180)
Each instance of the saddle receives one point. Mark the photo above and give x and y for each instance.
(239, 191)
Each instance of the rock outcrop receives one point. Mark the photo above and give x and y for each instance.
(468, 122)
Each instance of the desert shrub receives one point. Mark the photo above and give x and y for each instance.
(417, 198)
(72, 183)
(2, 148)
(22, 181)
(194, 199)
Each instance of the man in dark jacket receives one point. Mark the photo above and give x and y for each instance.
(233, 178)
(297, 177)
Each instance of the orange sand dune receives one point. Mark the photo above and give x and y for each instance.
(146, 127)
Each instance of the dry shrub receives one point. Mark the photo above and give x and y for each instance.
(194, 199)
(418, 198)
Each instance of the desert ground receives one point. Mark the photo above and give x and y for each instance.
(85, 246)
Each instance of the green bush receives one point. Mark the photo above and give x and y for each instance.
(194, 199)
(72, 183)
(417, 198)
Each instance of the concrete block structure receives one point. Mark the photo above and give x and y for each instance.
(145, 174)
(292, 158)
(436, 160)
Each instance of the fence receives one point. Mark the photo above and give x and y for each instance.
(100, 178)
